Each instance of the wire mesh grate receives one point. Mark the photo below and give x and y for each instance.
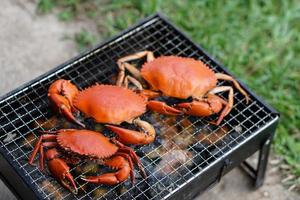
(184, 145)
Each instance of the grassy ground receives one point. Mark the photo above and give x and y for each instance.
(257, 40)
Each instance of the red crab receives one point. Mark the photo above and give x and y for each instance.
(71, 145)
(105, 104)
(180, 77)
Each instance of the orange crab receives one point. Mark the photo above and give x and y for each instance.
(105, 104)
(71, 145)
(180, 77)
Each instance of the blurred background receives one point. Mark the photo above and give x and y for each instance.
(259, 41)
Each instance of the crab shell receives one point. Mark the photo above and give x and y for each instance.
(86, 143)
(179, 77)
(110, 104)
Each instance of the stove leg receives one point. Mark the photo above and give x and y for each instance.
(258, 174)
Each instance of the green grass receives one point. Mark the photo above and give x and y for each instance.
(70, 9)
(259, 41)
(84, 39)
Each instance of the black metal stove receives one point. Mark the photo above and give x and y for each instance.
(188, 156)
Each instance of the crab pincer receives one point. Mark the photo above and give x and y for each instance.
(206, 107)
(126, 136)
(60, 170)
(117, 162)
(61, 94)
(163, 108)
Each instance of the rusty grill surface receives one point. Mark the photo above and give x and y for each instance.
(184, 147)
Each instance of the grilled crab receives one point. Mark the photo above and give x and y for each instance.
(180, 77)
(71, 145)
(105, 104)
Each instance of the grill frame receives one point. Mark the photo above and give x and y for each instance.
(260, 140)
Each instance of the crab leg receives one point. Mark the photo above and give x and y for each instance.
(132, 69)
(123, 65)
(137, 55)
(129, 159)
(230, 96)
(128, 150)
(42, 159)
(236, 84)
(149, 94)
(127, 136)
(39, 146)
(163, 108)
(116, 162)
(133, 81)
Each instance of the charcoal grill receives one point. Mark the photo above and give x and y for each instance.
(248, 128)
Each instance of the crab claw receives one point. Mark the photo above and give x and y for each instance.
(65, 111)
(163, 108)
(149, 94)
(69, 183)
(60, 171)
(61, 94)
(113, 178)
(196, 109)
(106, 179)
(200, 108)
(206, 107)
(127, 136)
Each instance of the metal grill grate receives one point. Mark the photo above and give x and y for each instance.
(184, 146)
